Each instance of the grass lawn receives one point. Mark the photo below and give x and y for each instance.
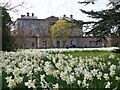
(89, 53)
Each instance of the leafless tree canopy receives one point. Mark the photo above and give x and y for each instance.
(87, 2)
(10, 6)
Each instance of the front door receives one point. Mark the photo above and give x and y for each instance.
(58, 44)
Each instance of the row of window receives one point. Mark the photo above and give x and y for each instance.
(43, 43)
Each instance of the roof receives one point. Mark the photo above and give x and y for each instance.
(30, 19)
(52, 17)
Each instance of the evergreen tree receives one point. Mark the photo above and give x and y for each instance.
(8, 40)
(108, 20)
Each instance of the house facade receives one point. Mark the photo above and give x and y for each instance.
(32, 32)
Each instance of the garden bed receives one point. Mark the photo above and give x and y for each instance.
(60, 69)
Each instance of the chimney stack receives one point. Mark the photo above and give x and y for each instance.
(27, 14)
(71, 16)
(64, 15)
(22, 16)
(32, 14)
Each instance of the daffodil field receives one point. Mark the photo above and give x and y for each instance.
(60, 69)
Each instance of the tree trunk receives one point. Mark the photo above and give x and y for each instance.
(119, 35)
(0, 28)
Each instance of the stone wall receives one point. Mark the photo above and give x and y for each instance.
(115, 41)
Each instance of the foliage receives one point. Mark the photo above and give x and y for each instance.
(7, 38)
(60, 29)
(63, 29)
(26, 69)
(108, 20)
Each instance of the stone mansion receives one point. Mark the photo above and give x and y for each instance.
(32, 32)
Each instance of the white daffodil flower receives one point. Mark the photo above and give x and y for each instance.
(18, 79)
(30, 84)
(113, 67)
(88, 76)
(106, 76)
(117, 78)
(94, 72)
(11, 83)
(108, 85)
(112, 72)
(79, 82)
(16, 71)
(109, 63)
(8, 78)
(56, 85)
(9, 70)
(111, 56)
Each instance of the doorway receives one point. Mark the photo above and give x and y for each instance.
(58, 44)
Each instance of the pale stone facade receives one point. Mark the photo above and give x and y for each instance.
(35, 33)
(32, 32)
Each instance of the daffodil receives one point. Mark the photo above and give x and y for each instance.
(117, 78)
(112, 72)
(79, 82)
(56, 85)
(16, 72)
(11, 83)
(30, 84)
(108, 85)
(18, 79)
(106, 76)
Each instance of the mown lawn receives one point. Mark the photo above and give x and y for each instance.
(89, 53)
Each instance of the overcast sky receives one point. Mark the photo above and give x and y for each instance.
(45, 8)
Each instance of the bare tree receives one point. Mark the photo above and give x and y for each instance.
(87, 2)
(5, 6)
(9, 5)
